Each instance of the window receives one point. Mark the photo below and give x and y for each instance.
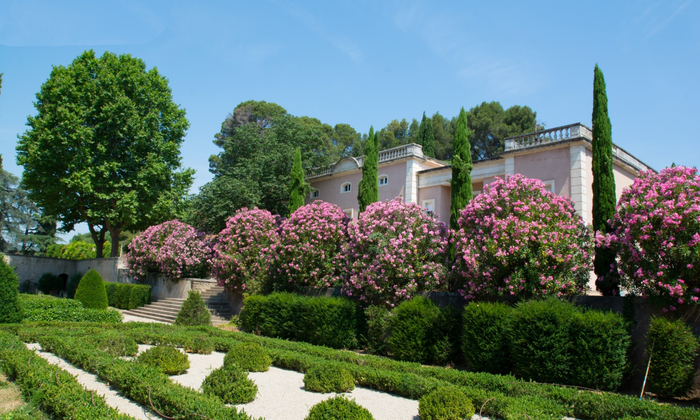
(315, 193)
(429, 205)
(345, 188)
(350, 213)
(549, 186)
(383, 180)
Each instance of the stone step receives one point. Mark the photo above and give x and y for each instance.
(155, 312)
(166, 310)
(148, 315)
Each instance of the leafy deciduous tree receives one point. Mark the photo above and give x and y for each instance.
(104, 147)
(490, 124)
(608, 282)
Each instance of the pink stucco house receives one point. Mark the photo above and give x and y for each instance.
(560, 157)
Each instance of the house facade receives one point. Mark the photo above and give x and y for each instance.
(560, 157)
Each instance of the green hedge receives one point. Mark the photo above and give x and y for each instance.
(332, 322)
(338, 407)
(672, 357)
(486, 337)
(54, 390)
(128, 295)
(10, 306)
(91, 291)
(49, 308)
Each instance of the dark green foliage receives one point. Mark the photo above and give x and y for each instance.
(486, 337)
(541, 341)
(378, 320)
(49, 282)
(231, 384)
(54, 390)
(49, 308)
(298, 185)
(194, 311)
(604, 198)
(446, 403)
(332, 322)
(338, 408)
(10, 307)
(412, 327)
(91, 291)
(673, 357)
(169, 360)
(490, 124)
(249, 357)
(199, 345)
(73, 283)
(328, 378)
(461, 170)
(426, 136)
(600, 348)
(128, 295)
(115, 344)
(368, 189)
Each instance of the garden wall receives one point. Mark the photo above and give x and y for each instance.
(31, 268)
(164, 289)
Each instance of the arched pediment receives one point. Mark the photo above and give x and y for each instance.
(346, 164)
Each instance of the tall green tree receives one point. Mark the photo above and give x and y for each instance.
(491, 124)
(104, 147)
(394, 134)
(426, 136)
(368, 190)
(604, 197)
(461, 170)
(298, 185)
(444, 131)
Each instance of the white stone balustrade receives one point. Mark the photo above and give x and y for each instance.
(551, 135)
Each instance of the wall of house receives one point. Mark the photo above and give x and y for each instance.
(546, 165)
(442, 195)
(623, 179)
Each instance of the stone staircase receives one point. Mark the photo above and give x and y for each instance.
(166, 310)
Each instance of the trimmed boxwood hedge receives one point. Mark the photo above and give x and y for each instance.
(10, 306)
(249, 357)
(446, 403)
(166, 358)
(50, 308)
(333, 322)
(339, 407)
(675, 349)
(231, 384)
(91, 291)
(128, 295)
(328, 378)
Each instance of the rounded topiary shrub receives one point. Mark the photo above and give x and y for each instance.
(339, 407)
(91, 291)
(310, 254)
(49, 282)
(10, 307)
(199, 345)
(231, 384)
(485, 342)
(445, 404)
(413, 324)
(249, 357)
(328, 378)
(173, 249)
(193, 311)
(244, 250)
(672, 358)
(395, 251)
(517, 239)
(656, 234)
(169, 360)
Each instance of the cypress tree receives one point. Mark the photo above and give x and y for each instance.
(368, 190)
(426, 136)
(604, 199)
(10, 306)
(461, 170)
(297, 186)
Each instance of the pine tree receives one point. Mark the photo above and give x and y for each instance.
(298, 184)
(368, 190)
(603, 186)
(426, 136)
(461, 170)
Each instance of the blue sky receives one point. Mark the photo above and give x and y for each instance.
(365, 63)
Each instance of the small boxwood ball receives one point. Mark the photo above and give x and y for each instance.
(249, 357)
(328, 378)
(166, 358)
(231, 384)
(338, 408)
(445, 403)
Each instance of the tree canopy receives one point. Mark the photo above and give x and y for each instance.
(104, 147)
(491, 124)
(298, 185)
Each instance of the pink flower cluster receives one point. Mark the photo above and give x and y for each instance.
(311, 247)
(395, 250)
(244, 250)
(517, 239)
(173, 248)
(656, 233)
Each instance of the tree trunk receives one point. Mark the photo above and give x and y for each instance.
(114, 232)
(99, 238)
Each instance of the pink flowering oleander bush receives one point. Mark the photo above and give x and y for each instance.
(517, 239)
(656, 233)
(244, 250)
(311, 248)
(395, 251)
(174, 249)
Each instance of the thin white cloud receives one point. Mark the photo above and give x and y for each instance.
(670, 18)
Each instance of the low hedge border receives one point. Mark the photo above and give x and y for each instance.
(54, 390)
(128, 295)
(501, 396)
(141, 383)
(49, 308)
